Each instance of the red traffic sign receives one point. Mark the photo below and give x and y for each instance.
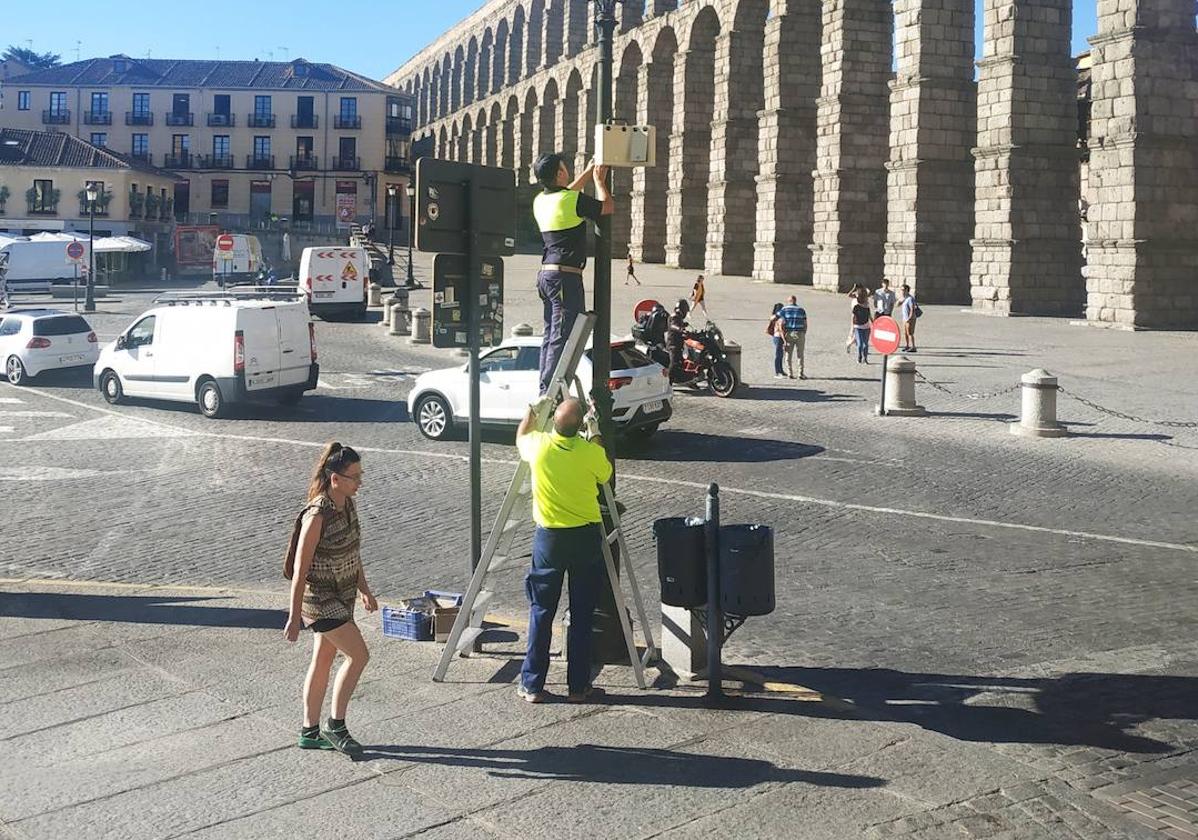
(75, 250)
(641, 308)
(224, 242)
(884, 335)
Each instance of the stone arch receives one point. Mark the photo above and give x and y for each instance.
(572, 118)
(434, 93)
(547, 140)
(632, 15)
(515, 62)
(690, 145)
(455, 84)
(526, 136)
(455, 141)
(485, 63)
(624, 107)
(555, 18)
(577, 13)
(443, 144)
(465, 140)
(499, 71)
(535, 39)
(650, 184)
(446, 83)
(470, 72)
(422, 104)
(507, 146)
(492, 137)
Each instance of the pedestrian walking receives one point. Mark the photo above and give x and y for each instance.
(851, 338)
(883, 299)
(631, 278)
(773, 329)
(562, 211)
(860, 326)
(567, 542)
(794, 335)
(327, 578)
(910, 312)
(698, 295)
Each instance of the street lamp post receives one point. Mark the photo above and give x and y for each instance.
(411, 190)
(392, 190)
(89, 300)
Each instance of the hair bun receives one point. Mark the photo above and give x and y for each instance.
(335, 447)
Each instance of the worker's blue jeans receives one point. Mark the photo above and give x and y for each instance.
(557, 552)
(563, 298)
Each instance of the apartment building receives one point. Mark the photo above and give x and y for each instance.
(252, 141)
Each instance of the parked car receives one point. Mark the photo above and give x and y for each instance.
(509, 381)
(33, 341)
(336, 279)
(241, 265)
(215, 351)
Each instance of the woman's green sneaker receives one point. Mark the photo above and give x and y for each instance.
(313, 742)
(340, 740)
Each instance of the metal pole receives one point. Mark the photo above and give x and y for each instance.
(472, 291)
(411, 235)
(715, 612)
(391, 214)
(89, 300)
(882, 404)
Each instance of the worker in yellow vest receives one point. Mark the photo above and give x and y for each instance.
(562, 211)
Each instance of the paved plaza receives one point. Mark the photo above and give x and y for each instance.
(977, 634)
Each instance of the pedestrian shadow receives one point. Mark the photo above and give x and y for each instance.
(799, 393)
(968, 351)
(1001, 416)
(1159, 438)
(600, 764)
(316, 407)
(1075, 709)
(137, 609)
(676, 445)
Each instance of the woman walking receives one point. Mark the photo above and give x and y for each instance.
(698, 295)
(854, 293)
(860, 326)
(774, 329)
(327, 580)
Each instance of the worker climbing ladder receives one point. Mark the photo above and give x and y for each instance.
(516, 512)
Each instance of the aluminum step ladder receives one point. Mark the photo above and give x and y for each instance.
(515, 514)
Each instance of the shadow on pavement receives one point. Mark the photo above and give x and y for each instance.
(137, 609)
(799, 393)
(976, 415)
(619, 766)
(1081, 709)
(671, 445)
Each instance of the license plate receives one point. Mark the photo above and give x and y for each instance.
(651, 407)
(324, 294)
(75, 358)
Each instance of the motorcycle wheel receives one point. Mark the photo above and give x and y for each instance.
(722, 379)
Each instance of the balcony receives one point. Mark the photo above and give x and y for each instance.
(44, 209)
(259, 161)
(97, 117)
(260, 120)
(139, 118)
(347, 121)
(101, 210)
(143, 157)
(347, 164)
(394, 163)
(173, 118)
(304, 121)
(214, 162)
(399, 125)
(222, 120)
(56, 116)
(306, 163)
(180, 160)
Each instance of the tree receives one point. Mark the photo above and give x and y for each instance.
(32, 60)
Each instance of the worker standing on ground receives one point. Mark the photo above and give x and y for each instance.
(568, 540)
(562, 211)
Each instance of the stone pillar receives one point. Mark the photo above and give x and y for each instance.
(576, 19)
(505, 144)
(732, 187)
(476, 144)
(536, 144)
(469, 85)
(655, 98)
(526, 145)
(690, 139)
(852, 123)
(929, 182)
(491, 145)
(1142, 268)
(484, 71)
(1026, 245)
(782, 252)
(551, 33)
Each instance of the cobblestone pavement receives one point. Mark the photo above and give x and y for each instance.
(1028, 602)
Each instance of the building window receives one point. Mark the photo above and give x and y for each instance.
(99, 138)
(141, 105)
(180, 150)
(141, 145)
(181, 104)
(99, 103)
(262, 107)
(58, 102)
(220, 194)
(220, 104)
(22, 100)
(220, 146)
(347, 153)
(261, 147)
(42, 195)
(349, 107)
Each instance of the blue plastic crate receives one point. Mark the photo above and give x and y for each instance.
(414, 625)
(456, 597)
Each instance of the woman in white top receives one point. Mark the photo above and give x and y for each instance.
(910, 312)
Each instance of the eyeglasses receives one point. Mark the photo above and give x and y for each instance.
(356, 479)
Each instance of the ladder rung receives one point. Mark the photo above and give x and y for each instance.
(510, 525)
(613, 536)
(466, 641)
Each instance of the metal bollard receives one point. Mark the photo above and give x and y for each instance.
(422, 326)
(375, 297)
(1038, 416)
(900, 389)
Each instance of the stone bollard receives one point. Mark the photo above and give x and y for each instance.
(900, 389)
(375, 297)
(732, 351)
(1038, 417)
(521, 329)
(422, 326)
(387, 303)
(399, 320)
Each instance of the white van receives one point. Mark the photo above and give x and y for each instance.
(242, 266)
(336, 279)
(33, 266)
(215, 351)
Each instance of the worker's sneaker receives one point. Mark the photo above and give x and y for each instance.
(589, 693)
(311, 739)
(530, 696)
(338, 736)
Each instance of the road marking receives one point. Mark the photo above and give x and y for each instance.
(5, 430)
(40, 473)
(6, 414)
(10, 401)
(697, 485)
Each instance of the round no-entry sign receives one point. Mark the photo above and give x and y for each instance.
(224, 242)
(641, 308)
(884, 335)
(75, 251)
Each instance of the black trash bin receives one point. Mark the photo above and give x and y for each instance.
(747, 569)
(681, 561)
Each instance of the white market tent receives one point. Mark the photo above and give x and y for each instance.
(104, 245)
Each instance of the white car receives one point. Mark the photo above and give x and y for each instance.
(509, 381)
(37, 340)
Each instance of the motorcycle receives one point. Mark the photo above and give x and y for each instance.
(703, 356)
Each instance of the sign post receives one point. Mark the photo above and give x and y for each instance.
(224, 251)
(75, 253)
(884, 338)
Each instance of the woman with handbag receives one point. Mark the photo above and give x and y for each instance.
(325, 569)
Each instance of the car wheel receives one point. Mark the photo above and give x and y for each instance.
(433, 417)
(14, 369)
(210, 400)
(110, 387)
(722, 379)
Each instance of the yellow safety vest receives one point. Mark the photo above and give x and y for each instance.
(557, 210)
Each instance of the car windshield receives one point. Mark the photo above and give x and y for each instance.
(60, 325)
(10, 326)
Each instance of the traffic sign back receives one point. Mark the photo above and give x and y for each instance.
(641, 308)
(884, 335)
